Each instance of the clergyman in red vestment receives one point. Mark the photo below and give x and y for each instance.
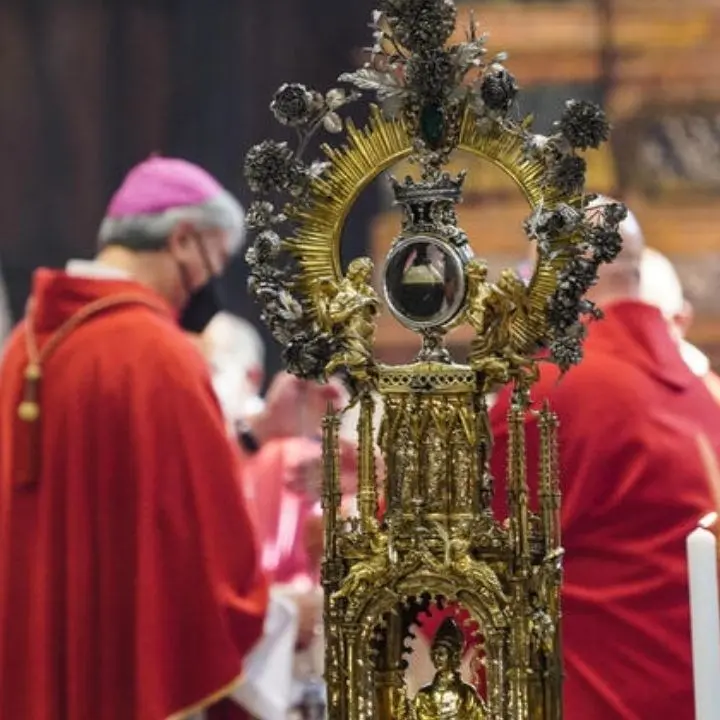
(639, 437)
(660, 286)
(130, 583)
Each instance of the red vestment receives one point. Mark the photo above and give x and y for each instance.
(639, 436)
(130, 586)
(283, 509)
(281, 512)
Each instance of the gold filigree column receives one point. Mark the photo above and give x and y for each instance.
(518, 516)
(390, 673)
(409, 451)
(495, 641)
(517, 493)
(549, 495)
(484, 451)
(393, 464)
(436, 458)
(367, 476)
(550, 511)
(464, 459)
(332, 567)
(331, 495)
(354, 685)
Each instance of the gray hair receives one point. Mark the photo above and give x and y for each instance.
(150, 231)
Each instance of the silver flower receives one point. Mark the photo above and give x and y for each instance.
(271, 166)
(584, 124)
(421, 25)
(293, 104)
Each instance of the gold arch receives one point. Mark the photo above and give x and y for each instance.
(374, 149)
(479, 603)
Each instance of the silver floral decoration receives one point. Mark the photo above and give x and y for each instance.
(419, 72)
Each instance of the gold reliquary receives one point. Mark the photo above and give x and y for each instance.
(426, 538)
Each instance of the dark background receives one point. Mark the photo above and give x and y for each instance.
(89, 88)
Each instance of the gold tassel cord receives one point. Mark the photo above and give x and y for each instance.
(29, 410)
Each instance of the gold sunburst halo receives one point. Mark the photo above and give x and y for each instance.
(372, 150)
(369, 152)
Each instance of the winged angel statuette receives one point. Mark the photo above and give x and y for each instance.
(369, 572)
(349, 309)
(494, 311)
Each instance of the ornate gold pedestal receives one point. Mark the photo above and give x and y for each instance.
(427, 536)
(439, 540)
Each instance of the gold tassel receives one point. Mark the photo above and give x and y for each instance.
(29, 409)
(29, 414)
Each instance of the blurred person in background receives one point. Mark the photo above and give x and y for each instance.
(660, 286)
(236, 353)
(282, 481)
(130, 578)
(639, 437)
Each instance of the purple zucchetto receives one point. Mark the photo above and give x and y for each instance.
(160, 192)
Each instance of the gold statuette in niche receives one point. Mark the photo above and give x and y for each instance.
(426, 536)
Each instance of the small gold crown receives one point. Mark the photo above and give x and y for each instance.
(445, 189)
(429, 206)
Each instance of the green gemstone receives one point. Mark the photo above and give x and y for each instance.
(432, 125)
